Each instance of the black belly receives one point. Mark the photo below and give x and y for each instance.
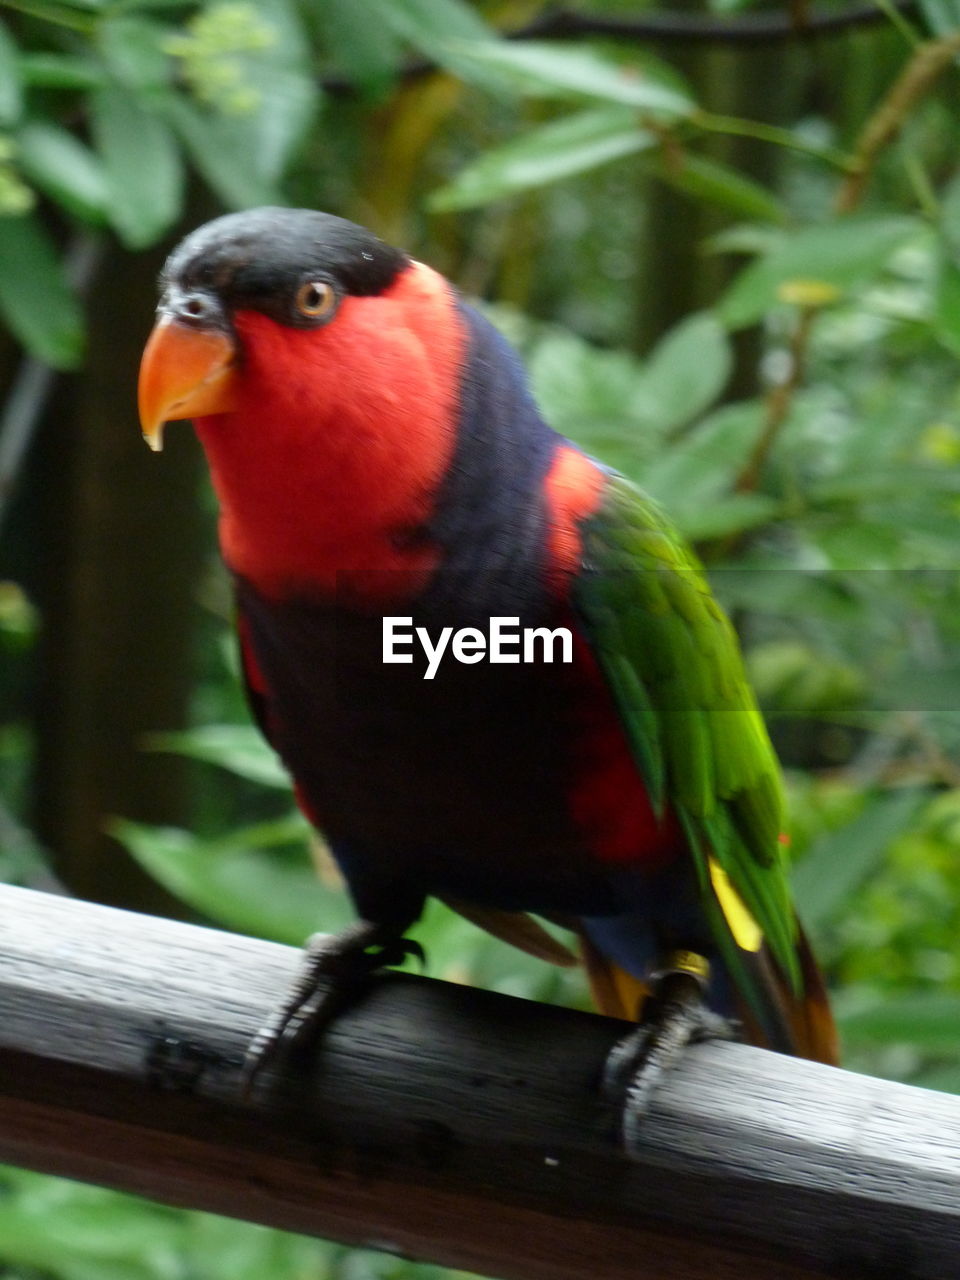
(456, 785)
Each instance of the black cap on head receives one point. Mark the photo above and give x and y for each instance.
(259, 257)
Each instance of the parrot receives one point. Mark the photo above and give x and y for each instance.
(380, 464)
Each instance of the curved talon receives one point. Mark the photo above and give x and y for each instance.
(621, 1062)
(332, 970)
(395, 952)
(675, 1016)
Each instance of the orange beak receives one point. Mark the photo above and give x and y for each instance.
(185, 372)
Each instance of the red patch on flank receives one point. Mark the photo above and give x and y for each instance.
(608, 799)
(304, 805)
(253, 672)
(573, 487)
(343, 436)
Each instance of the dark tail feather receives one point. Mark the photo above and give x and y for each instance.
(815, 1029)
(803, 1021)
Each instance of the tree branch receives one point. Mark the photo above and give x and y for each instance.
(778, 403)
(915, 81)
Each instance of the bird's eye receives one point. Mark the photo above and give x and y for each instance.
(316, 300)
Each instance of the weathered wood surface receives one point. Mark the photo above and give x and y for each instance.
(452, 1124)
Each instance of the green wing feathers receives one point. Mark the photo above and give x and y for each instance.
(673, 663)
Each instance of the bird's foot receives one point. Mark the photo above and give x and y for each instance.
(675, 1015)
(333, 970)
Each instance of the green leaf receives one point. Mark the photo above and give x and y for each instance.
(941, 16)
(884, 480)
(946, 304)
(283, 78)
(426, 22)
(155, 5)
(441, 30)
(142, 165)
(11, 91)
(221, 151)
(58, 1228)
(686, 371)
(698, 470)
(945, 1079)
(723, 516)
(950, 217)
(243, 153)
(69, 172)
(719, 184)
(35, 298)
(51, 7)
(54, 1227)
(837, 864)
(551, 70)
(746, 238)
(59, 71)
(840, 254)
(584, 391)
(225, 1249)
(794, 678)
(369, 52)
(927, 1020)
(67, 16)
(543, 155)
(239, 748)
(132, 49)
(256, 880)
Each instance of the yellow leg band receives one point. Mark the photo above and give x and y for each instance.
(688, 962)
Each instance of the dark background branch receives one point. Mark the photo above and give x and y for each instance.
(745, 29)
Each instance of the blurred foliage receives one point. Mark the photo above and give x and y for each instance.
(51, 1227)
(801, 423)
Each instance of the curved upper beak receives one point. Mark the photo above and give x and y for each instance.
(186, 372)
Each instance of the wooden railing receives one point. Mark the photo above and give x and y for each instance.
(452, 1124)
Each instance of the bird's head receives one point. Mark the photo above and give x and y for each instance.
(321, 368)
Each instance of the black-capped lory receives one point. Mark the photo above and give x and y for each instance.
(386, 480)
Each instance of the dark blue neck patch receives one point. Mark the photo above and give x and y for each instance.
(490, 516)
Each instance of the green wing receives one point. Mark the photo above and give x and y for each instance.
(673, 663)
